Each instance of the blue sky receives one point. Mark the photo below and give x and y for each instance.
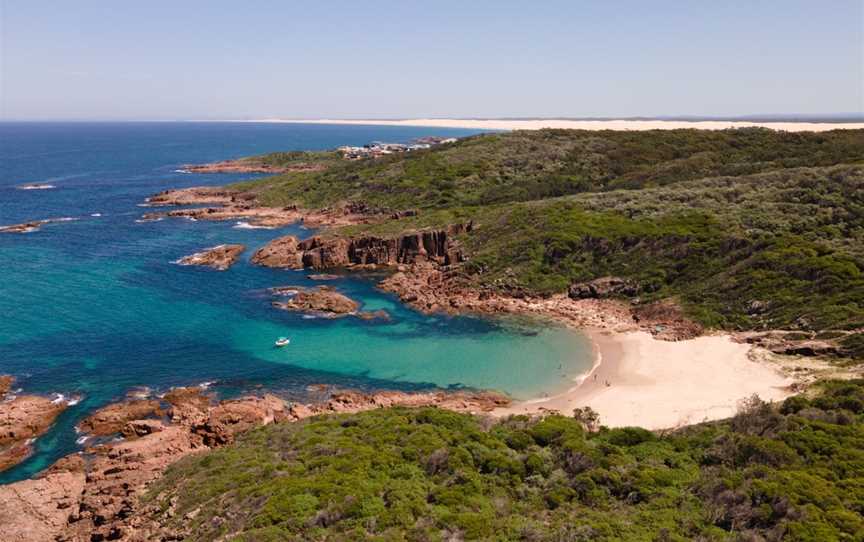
(191, 59)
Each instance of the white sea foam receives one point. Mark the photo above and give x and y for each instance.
(81, 440)
(36, 187)
(247, 226)
(181, 171)
(309, 317)
(58, 398)
(207, 384)
(97, 215)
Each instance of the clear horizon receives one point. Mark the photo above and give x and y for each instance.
(211, 61)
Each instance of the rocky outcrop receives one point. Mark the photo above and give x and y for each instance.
(5, 385)
(34, 225)
(436, 246)
(41, 509)
(603, 287)
(798, 343)
(666, 320)
(245, 165)
(281, 252)
(99, 499)
(219, 257)
(114, 417)
(198, 195)
(234, 205)
(23, 419)
(321, 300)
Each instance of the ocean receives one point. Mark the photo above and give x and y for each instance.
(93, 307)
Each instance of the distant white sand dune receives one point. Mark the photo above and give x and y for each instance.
(537, 124)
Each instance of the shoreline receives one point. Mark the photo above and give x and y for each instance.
(575, 124)
(637, 380)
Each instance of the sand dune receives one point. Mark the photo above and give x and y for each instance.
(536, 124)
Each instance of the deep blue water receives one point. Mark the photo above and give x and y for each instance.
(94, 307)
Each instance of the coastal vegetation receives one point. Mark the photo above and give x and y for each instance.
(747, 229)
(791, 471)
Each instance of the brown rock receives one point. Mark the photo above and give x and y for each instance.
(327, 253)
(246, 165)
(281, 252)
(219, 257)
(25, 227)
(140, 428)
(21, 419)
(320, 300)
(188, 405)
(40, 509)
(665, 320)
(603, 287)
(112, 418)
(231, 418)
(323, 276)
(5, 384)
(196, 195)
(34, 225)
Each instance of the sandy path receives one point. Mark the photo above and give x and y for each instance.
(661, 384)
(536, 124)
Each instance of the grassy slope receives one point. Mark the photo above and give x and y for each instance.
(399, 474)
(724, 221)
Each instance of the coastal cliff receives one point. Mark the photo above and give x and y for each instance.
(326, 253)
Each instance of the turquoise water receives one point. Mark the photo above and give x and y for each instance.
(94, 307)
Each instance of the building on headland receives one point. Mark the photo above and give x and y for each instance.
(377, 149)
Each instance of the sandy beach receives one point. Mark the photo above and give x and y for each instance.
(662, 384)
(575, 124)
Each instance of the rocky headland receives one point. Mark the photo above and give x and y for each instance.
(428, 278)
(220, 257)
(227, 204)
(23, 418)
(95, 495)
(245, 165)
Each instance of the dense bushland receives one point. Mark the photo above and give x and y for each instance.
(793, 471)
(532, 165)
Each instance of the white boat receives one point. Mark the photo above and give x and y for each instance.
(283, 341)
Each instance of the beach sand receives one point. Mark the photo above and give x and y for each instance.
(536, 124)
(661, 384)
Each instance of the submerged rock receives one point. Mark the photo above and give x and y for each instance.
(323, 276)
(219, 257)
